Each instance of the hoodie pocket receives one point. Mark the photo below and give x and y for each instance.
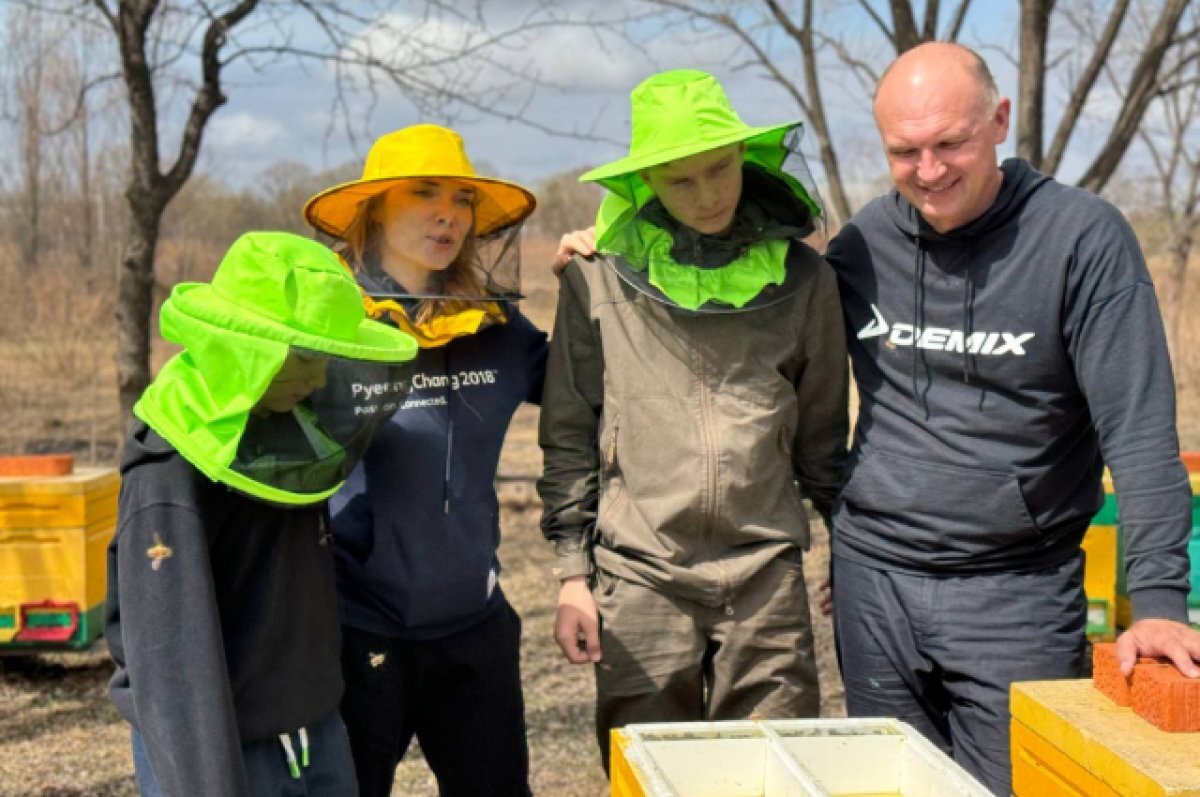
(940, 507)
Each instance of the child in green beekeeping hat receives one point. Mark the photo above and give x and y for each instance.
(695, 392)
(221, 611)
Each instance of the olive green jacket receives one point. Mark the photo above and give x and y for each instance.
(674, 441)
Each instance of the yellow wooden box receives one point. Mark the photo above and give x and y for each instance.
(783, 758)
(1069, 740)
(54, 534)
(1100, 582)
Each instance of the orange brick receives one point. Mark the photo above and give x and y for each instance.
(1164, 697)
(1106, 673)
(37, 465)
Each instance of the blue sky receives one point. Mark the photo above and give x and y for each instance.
(285, 111)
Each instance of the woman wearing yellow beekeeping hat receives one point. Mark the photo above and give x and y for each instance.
(430, 644)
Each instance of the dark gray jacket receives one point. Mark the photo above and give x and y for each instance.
(1000, 367)
(221, 618)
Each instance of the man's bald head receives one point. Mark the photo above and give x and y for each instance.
(941, 118)
(931, 60)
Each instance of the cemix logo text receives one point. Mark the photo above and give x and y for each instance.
(942, 339)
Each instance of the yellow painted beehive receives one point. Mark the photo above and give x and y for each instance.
(1069, 739)
(1100, 581)
(54, 532)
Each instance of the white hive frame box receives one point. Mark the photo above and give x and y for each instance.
(784, 758)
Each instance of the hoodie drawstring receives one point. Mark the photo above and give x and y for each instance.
(289, 752)
(449, 452)
(968, 319)
(918, 287)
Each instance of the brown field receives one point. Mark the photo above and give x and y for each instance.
(60, 736)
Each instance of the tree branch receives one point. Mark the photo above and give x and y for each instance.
(878, 20)
(956, 23)
(1083, 87)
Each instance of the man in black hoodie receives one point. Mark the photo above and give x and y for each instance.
(1007, 344)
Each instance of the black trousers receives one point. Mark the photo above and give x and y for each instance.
(940, 653)
(459, 695)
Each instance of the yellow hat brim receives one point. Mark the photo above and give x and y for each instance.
(498, 203)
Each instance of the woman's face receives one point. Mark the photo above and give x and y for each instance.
(424, 222)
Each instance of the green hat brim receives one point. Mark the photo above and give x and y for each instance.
(373, 341)
(635, 162)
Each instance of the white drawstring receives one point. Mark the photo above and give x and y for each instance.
(290, 752)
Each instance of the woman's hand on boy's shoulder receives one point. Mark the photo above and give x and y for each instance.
(579, 242)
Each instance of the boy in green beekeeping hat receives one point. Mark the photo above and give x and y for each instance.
(221, 611)
(695, 392)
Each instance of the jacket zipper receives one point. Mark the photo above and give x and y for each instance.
(708, 518)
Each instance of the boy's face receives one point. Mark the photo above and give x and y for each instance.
(702, 190)
(301, 374)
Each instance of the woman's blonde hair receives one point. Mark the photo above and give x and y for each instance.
(361, 245)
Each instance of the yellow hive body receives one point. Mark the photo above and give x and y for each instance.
(783, 758)
(1068, 740)
(1100, 581)
(54, 532)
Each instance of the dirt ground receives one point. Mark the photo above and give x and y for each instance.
(60, 736)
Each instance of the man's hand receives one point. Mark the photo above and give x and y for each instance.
(580, 242)
(576, 626)
(1164, 638)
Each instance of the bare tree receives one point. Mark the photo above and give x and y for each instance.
(27, 47)
(444, 58)
(1172, 140)
(1143, 84)
(824, 57)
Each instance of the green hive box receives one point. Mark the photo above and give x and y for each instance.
(1194, 596)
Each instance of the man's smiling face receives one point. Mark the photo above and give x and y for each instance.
(940, 132)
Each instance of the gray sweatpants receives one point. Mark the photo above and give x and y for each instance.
(670, 660)
(941, 652)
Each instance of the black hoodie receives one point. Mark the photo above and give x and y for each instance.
(1000, 366)
(221, 617)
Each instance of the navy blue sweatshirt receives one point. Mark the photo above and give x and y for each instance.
(1000, 366)
(417, 524)
(221, 616)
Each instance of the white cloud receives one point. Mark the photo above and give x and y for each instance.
(245, 132)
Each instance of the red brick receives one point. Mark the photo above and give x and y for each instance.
(1106, 673)
(37, 465)
(1164, 697)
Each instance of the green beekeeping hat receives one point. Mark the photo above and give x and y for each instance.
(272, 293)
(673, 115)
(290, 290)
